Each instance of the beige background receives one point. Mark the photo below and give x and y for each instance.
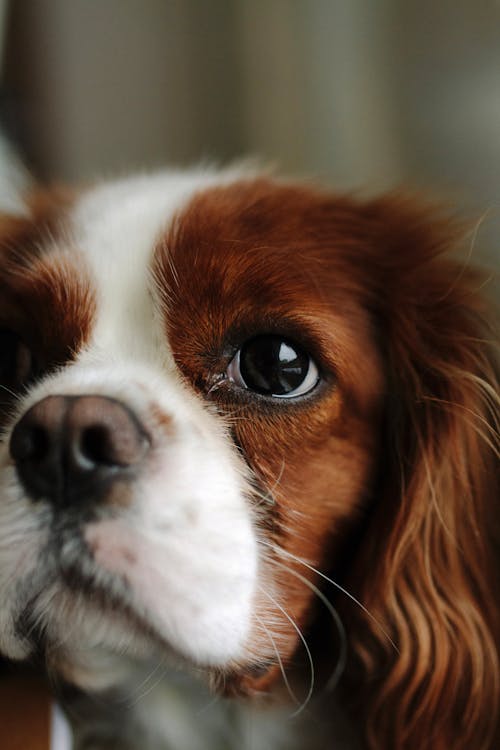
(367, 94)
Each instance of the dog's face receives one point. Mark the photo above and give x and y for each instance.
(219, 393)
(190, 395)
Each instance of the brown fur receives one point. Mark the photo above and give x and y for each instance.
(45, 294)
(402, 434)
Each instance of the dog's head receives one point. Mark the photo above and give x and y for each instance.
(215, 391)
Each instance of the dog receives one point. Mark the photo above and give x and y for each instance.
(250, 449)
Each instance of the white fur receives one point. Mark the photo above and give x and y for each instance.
(189, 525)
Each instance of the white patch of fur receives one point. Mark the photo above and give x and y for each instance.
(188, 528)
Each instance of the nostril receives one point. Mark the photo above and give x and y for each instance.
(30, 444)
(97, 447)
(104, 435)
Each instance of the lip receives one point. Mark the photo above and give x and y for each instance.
(110, 594)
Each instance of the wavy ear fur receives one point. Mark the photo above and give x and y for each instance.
(427, 569)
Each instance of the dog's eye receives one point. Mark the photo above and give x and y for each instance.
(273, 366)
(15, 360)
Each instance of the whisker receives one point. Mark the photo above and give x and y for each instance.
(266, 496)
(306, 647)
(280, 661)
(209, 705)
(264, 500)
(144, 688)
(337, 586)
(11, 393)
(279, 477)
(342, 660)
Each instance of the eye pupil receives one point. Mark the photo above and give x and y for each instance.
(271, 365)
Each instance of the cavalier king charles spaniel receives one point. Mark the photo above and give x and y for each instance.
(249, 488)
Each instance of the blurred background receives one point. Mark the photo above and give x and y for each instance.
(359, 94)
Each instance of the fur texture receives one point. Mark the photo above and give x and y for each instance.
(334, 549)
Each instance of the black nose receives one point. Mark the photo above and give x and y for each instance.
(68, 449)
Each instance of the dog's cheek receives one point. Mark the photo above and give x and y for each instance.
(180, 537)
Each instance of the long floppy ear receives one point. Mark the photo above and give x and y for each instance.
(426, 569)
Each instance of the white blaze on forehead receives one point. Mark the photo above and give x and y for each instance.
(117, 226)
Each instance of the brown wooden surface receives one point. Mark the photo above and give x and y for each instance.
(24, 713)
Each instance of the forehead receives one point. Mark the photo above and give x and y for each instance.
(116, 228)
(261, 242)
(211, 255)
(72, 267)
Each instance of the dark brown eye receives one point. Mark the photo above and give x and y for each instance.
(273, 366)
(16, 362)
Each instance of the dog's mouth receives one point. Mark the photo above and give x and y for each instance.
(69, 588)
(82, 598)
